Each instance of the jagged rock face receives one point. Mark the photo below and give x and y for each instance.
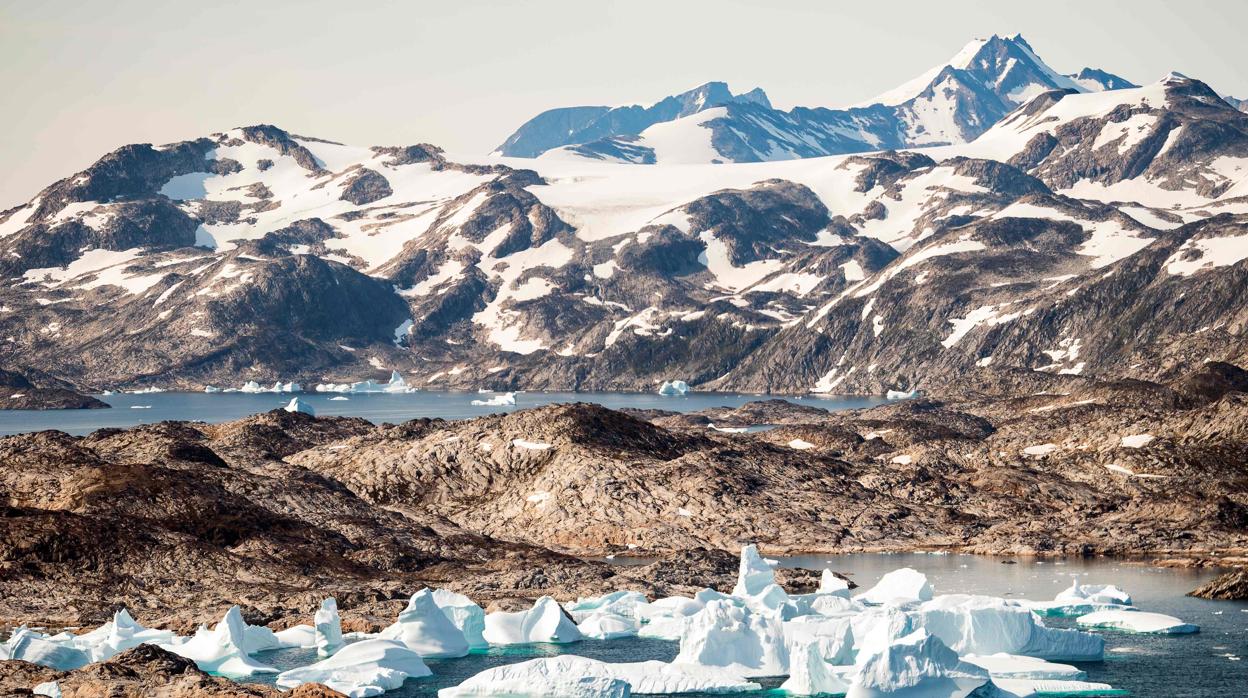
(1232, 586)
(17, 392)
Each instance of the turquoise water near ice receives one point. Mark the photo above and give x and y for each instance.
(129, 410)
(1203, 665)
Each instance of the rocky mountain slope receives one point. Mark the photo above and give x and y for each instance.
(258, 255)
(953, 102)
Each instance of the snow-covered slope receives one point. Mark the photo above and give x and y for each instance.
(255, 254)
(951, 103)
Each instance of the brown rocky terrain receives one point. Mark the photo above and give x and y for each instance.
(18, 392)
(1232, 586)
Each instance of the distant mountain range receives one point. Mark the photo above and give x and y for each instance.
(1083, 232)
(951, 103)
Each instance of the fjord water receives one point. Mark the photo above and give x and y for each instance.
(129, 409)
(1203, 665)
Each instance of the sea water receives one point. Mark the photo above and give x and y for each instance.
(130, 409)
(1205, 665)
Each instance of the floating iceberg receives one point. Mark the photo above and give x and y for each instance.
(829, 583)
(37, 648)
(810, 674)
(367, 668)
(297, 405)
(1137, 622)
(1027, 688)
(224, 650)
(1013, 666)
(901, 394)
(754, 573)
(834, 637)
(545, 622)
(899, 586)
(504, 400)
(423, 628)
(917, 665)
(396, 385)
(211, 389)
(121, 633)
(1082, 599)
(571, 675)
(736, 639)
(604, 625)
(624, 603)
(254, 387)
(465, 614)
(989, 625)
(674, 388)
(328, 626)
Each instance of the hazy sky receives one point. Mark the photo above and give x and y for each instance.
(82, 78)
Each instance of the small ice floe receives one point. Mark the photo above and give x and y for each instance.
(211, 389)
(297, 405)
(140, 407)
(728, 430)
(338, 398)
(674, 388)
(545, 622)
(901, 394)
(504, 400)
(1136, 622)
(367, 668)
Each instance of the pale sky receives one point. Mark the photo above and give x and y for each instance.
(82, 78)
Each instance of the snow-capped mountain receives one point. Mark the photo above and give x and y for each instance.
(952, 102)
(1094, 233)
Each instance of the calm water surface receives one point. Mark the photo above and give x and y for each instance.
(129, 410)
(1203, 665)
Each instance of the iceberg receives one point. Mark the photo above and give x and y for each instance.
(255, 388)
(545, 622)
(397, 384)
(572, 675)
(736, 639)
(302, 636)
(504, 400)
(51, 689)
(810, 674)
(624, 603)
(1137, 622)
(367, 668)
(328, 628)
(121, 633)
(754, 575)
(916, 665)
(901, 394)
(605, 625)
(1027, 688)
(829, 583)
(899, 586)
(833, 637)
(1094, 593)
(465, 614)
(674, 388)
(211, 389)
(297, 405)
(37, 648)
(224, 650)
(1012, 666)
(423, 628)
(988, 625)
